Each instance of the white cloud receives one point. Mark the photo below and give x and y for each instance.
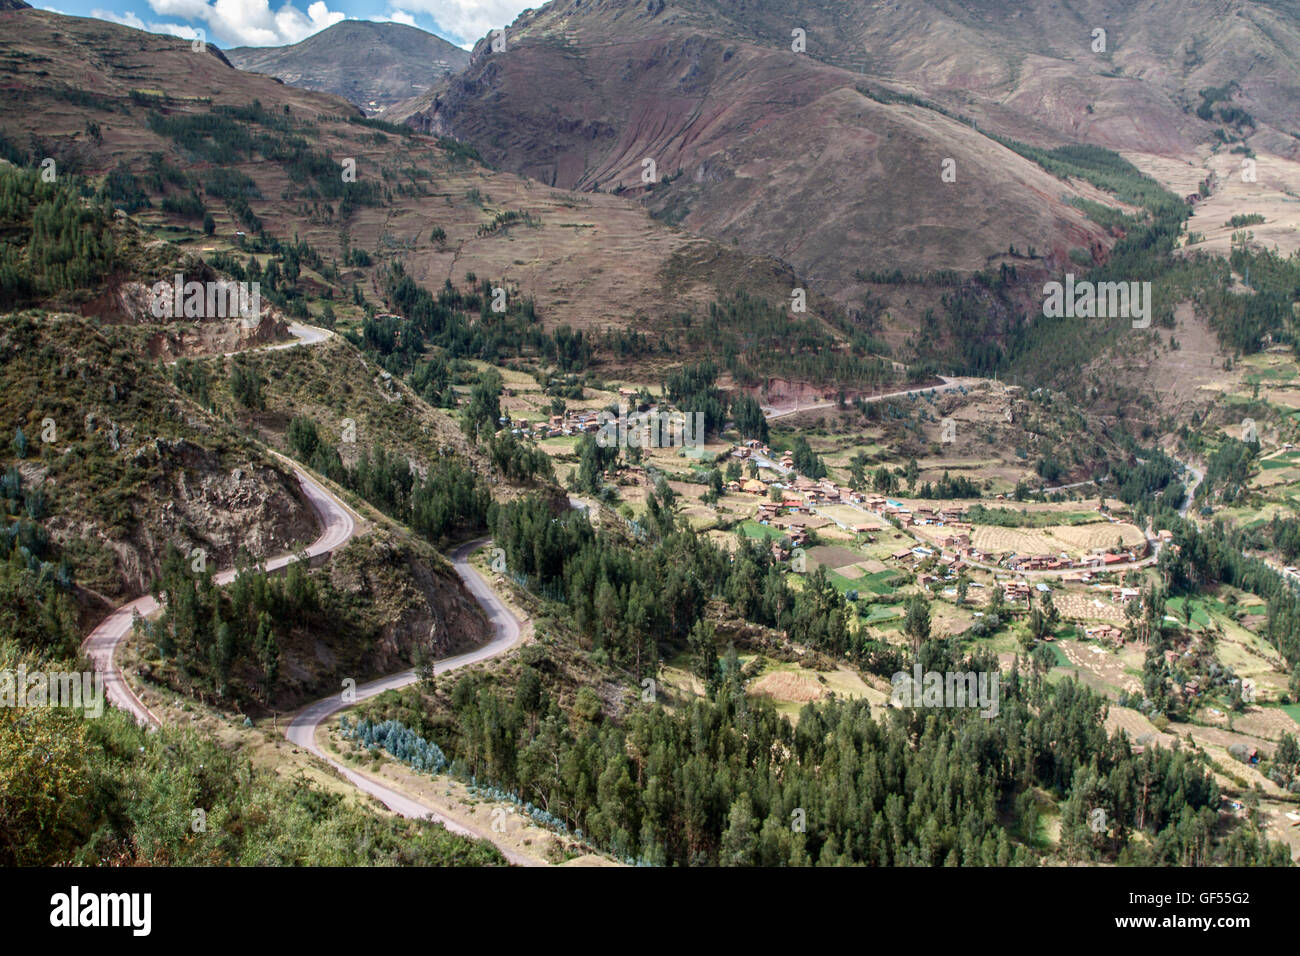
(468, 20)
(252, 22)
(397, 16)
(129, 19)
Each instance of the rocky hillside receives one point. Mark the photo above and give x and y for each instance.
(126, 466)
(830, 156)
(186, 135)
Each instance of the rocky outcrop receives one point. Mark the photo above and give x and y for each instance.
(414, 600)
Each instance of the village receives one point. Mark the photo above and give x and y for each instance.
(942, 535)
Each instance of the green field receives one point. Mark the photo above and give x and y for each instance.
(882, 612)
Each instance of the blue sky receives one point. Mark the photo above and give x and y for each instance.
(273, 22)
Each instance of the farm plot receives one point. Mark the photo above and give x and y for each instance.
(1135, 726)
(1073, 539)
(1100, 668)
(1086, 606)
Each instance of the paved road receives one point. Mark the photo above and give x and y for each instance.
(302, 335)
(302, 729)
(1191, 489)
(337, 526)
(770, 413)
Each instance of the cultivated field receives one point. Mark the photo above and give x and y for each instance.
(1076, 540)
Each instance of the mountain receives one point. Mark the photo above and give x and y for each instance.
(830, 158)
(372, 65)
(186, 135)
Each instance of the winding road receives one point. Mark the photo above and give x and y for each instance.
(302, 729)
(338, 525)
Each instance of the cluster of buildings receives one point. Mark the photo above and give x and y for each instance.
(1097, 561)
(570, 423)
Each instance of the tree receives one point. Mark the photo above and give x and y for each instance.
(704, 651)
(482, 414)
(269, 651)
(857, 471)
(806, 462)
(209, 224)
(246, 385)
(20, 443)
(917, 623)
(749, 418)
(592, 462)
(740, 839)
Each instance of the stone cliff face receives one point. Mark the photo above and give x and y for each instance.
(415, 599)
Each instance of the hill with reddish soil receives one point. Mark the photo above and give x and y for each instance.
(830, 158)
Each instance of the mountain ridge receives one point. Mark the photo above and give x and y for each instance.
(370, 64)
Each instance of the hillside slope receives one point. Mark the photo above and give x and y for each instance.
(782, 152)
(186, 135)
(371, 65)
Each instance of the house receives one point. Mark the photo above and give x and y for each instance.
(1109, 559)
(1015, 591)
(1105, 633)
(754, 487)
